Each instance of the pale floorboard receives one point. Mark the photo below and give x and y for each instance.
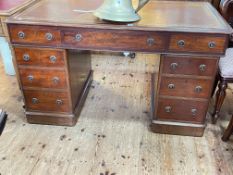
(112, 136)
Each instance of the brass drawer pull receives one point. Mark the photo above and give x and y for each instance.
(150, 41)
(168, 109)
(198, 89)
(194, 111)
(181, 43)
(35, 100)
(56, 80)
(78, 37)
(49, 36)
(53, 58)
(30, 77)
(21, 35)
(59, 102)
(202, 67)
(171, 86)
(212, 44)
(173, 66)
(26, 57)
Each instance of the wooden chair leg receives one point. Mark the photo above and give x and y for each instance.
(220, 96)
(215, 84)
(228, 131)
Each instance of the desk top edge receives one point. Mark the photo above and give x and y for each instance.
(16, 8)
(21, 18)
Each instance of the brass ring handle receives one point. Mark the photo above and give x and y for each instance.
(150, 41)
(53, 58)
(181, 43)
(198, 89)
(30, 77)
(78, 37)
(173, 66)
(49, 36)
(56, 80)
(194, 111)
(168, 109)
(202, 67)
(211, 44)
(35, 100)
(21, 35)
(59, 102)
(26, 57)
(171, 86)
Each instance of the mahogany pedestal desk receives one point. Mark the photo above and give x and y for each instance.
(52, 42)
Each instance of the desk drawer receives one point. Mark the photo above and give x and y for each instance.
(114, 40)
(40, 57)
(43, 78)
(182, 110)
(201, 66)
(47, 101)
(34, 35)
(185, 87)
(197, 43)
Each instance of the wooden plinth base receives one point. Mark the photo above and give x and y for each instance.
(177, 128)
(58, 118)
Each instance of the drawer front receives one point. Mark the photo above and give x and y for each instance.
(197, 43)
(189, 65)
(40, 57)
(182, 110)
(46, 101)
(114, 40)
(34, 35)
(185, 87)
(43, 78)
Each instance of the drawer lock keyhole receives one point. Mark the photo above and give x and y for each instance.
(35, 100)
(171, 86)
(168, 109)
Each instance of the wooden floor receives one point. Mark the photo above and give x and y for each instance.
(112, 136)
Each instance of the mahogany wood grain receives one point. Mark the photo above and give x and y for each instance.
(43, 78)
(79, 64)
(47, 101)
(198, 43)
(200, 66)
(40, 57)
(35, 35)
(185, 87)
(182, 110)
(177, 128)
(115, 39)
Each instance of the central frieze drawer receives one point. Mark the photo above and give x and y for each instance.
(185, 87)
(182, 110)
(34, 35)
(114, 40)
(40, 57)
(46, 101)
(183, 65)
(43, 78)
(197, 43)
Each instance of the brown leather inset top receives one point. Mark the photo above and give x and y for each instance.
(155, 15)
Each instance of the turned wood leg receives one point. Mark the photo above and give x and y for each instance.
(215, 84)
(228, 131)
(220, 95)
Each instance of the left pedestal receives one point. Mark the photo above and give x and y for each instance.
(54, 83)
